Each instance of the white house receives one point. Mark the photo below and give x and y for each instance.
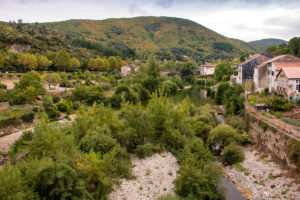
(128, 70)
(206, 69)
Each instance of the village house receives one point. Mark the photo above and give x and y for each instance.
(288, 81)
(128, 70)
(246, 69)
(265, 73)
(206, 69)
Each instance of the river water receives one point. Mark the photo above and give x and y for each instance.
(198, 97)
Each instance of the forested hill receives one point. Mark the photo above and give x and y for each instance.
(263, 44)
(167, 37)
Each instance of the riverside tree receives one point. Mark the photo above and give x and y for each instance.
(62, 60)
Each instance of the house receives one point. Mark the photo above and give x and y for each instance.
(265, 73)
(206, 69)
(246, 69)
(128, 70)
(288, 81)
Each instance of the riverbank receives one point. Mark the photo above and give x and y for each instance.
(259, 177)
(154, 177)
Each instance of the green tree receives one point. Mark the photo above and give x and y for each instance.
(75, 64)
(113, 62)
(186, 70)
(221, 70)
(2, 60)
(30, 79)
(153, 79)
(43, 62)
(62, 60)
(52, 79)
(27, 60)
(294, 45)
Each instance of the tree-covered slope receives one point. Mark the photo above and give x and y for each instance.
(165, 36)
(263, 44)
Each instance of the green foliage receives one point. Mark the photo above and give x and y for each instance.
(147, 149)
(50, 108)
(279, 104)
(233, 154)
(152, 80)
(13, 186)
(187, 71)
(221, 70)
(59, 180)
(294, 152)
(224, 135)
(28, 117)
(62, 60)
(64, 106)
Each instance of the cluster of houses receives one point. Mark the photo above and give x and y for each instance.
(279, 74)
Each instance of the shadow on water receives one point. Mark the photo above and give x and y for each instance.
(195, 94)
(229, 191)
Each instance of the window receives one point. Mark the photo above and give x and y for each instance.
(298, 85)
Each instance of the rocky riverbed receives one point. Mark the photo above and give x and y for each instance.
(258, 177)
(154, 177)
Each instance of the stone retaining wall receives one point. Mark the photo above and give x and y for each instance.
(274, 140)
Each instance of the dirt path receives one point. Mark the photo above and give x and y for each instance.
(261, 178)
(154, 178)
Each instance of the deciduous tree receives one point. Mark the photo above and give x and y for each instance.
(62, 60)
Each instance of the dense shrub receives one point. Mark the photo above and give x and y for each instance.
(147, 149)
(50, 108)
(223, 135)
(64, 106)
(13, 186)
(233, 154)
(28, 117)
(3, 86)
(279, 104)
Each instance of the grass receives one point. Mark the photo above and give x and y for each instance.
(289, 121)
(14, 112)
(239, 167)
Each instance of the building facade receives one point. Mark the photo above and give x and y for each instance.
(206, 69)
(288, 81)
(265, 73)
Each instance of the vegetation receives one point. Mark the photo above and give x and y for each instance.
(233, 154)
(293, 47)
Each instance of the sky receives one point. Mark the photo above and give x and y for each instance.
(241, 19)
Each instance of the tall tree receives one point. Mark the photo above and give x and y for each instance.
(153, 78)
(62, 60)
(223, 70)
(27, 60)
(51, 79)
(43, 62)
(113, 62)
(75, 64)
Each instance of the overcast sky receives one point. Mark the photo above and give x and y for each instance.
(242, 19)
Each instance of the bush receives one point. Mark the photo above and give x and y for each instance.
(64, 106)
(55, 98)
(50, 108)
(21, 142)
(28, 117)
(294, 152)
(232, 154)
(147, 150)
(280, 104)
(223, 135)
(12, 185)
(3, 86)
(59, 180)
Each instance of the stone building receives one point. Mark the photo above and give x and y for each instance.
(246, 69)
(206, 69)
(288, 81)
(128, 70)
(265, 73)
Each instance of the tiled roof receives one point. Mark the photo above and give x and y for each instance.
(280, 65)
(282, 58)
(291, 72)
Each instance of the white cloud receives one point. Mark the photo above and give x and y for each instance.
(246, 20)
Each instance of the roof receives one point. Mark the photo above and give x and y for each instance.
(208, 65)
(280, 65)
(260, 58)
(291, 72)
(282, 58)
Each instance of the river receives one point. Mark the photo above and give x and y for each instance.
(198, 97)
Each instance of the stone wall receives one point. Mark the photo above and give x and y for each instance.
(273, 140)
